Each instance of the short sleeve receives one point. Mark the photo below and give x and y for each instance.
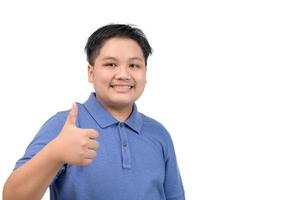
(173, 183)
(50, 129)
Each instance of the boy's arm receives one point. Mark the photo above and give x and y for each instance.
(173, 184)
(29, 181)
(73, 146)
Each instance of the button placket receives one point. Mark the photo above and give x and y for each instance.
(126, 157)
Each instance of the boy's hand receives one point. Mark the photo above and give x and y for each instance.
(75, 145)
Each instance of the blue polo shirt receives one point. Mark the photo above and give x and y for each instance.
(136, 159)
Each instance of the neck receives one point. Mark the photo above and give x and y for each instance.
(120, 113)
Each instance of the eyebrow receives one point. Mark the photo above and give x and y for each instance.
(115, 59)
(109, 58)
(137, 58)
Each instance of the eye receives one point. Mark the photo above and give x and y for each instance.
(134, 66)
(110, 65)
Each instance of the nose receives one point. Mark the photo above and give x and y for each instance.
(123, 73)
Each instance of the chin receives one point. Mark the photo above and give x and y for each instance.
(122, 103)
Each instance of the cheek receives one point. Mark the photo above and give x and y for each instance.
(141, 77)
(141, 81)
(102, 78)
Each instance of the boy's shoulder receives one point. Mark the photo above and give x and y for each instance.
(149, 121)
(154, 126)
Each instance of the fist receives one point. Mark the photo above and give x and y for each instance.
(74, 145)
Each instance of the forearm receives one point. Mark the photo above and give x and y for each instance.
(31, 180)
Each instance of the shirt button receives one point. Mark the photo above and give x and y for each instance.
(125, 144)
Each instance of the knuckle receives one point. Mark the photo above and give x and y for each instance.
(81, 154)
(84, 144)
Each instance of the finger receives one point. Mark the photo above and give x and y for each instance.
(72, 116)
(86, 161)
(92, 133)
(90, 154)
(93, 144)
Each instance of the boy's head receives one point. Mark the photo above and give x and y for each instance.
(100, 36)
(117, 56)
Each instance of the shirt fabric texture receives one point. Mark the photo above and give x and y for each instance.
(136, 159)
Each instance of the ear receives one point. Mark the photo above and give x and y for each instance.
(90, 73)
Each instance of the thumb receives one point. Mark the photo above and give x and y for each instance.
(72, 116)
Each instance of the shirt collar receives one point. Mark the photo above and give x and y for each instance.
(104, 118)
(135, 120)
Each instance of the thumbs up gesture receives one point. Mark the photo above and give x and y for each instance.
(75, 145)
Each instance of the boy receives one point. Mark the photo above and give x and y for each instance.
(103, 148)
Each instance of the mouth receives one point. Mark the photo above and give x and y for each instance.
(122, 88)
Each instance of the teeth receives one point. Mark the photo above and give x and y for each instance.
(124, 86)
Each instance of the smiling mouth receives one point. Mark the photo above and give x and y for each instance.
(121, 88)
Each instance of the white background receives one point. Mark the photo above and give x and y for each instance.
(225, 79)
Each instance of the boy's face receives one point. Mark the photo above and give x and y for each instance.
(119, 73)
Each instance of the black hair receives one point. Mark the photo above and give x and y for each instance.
(100, 36)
